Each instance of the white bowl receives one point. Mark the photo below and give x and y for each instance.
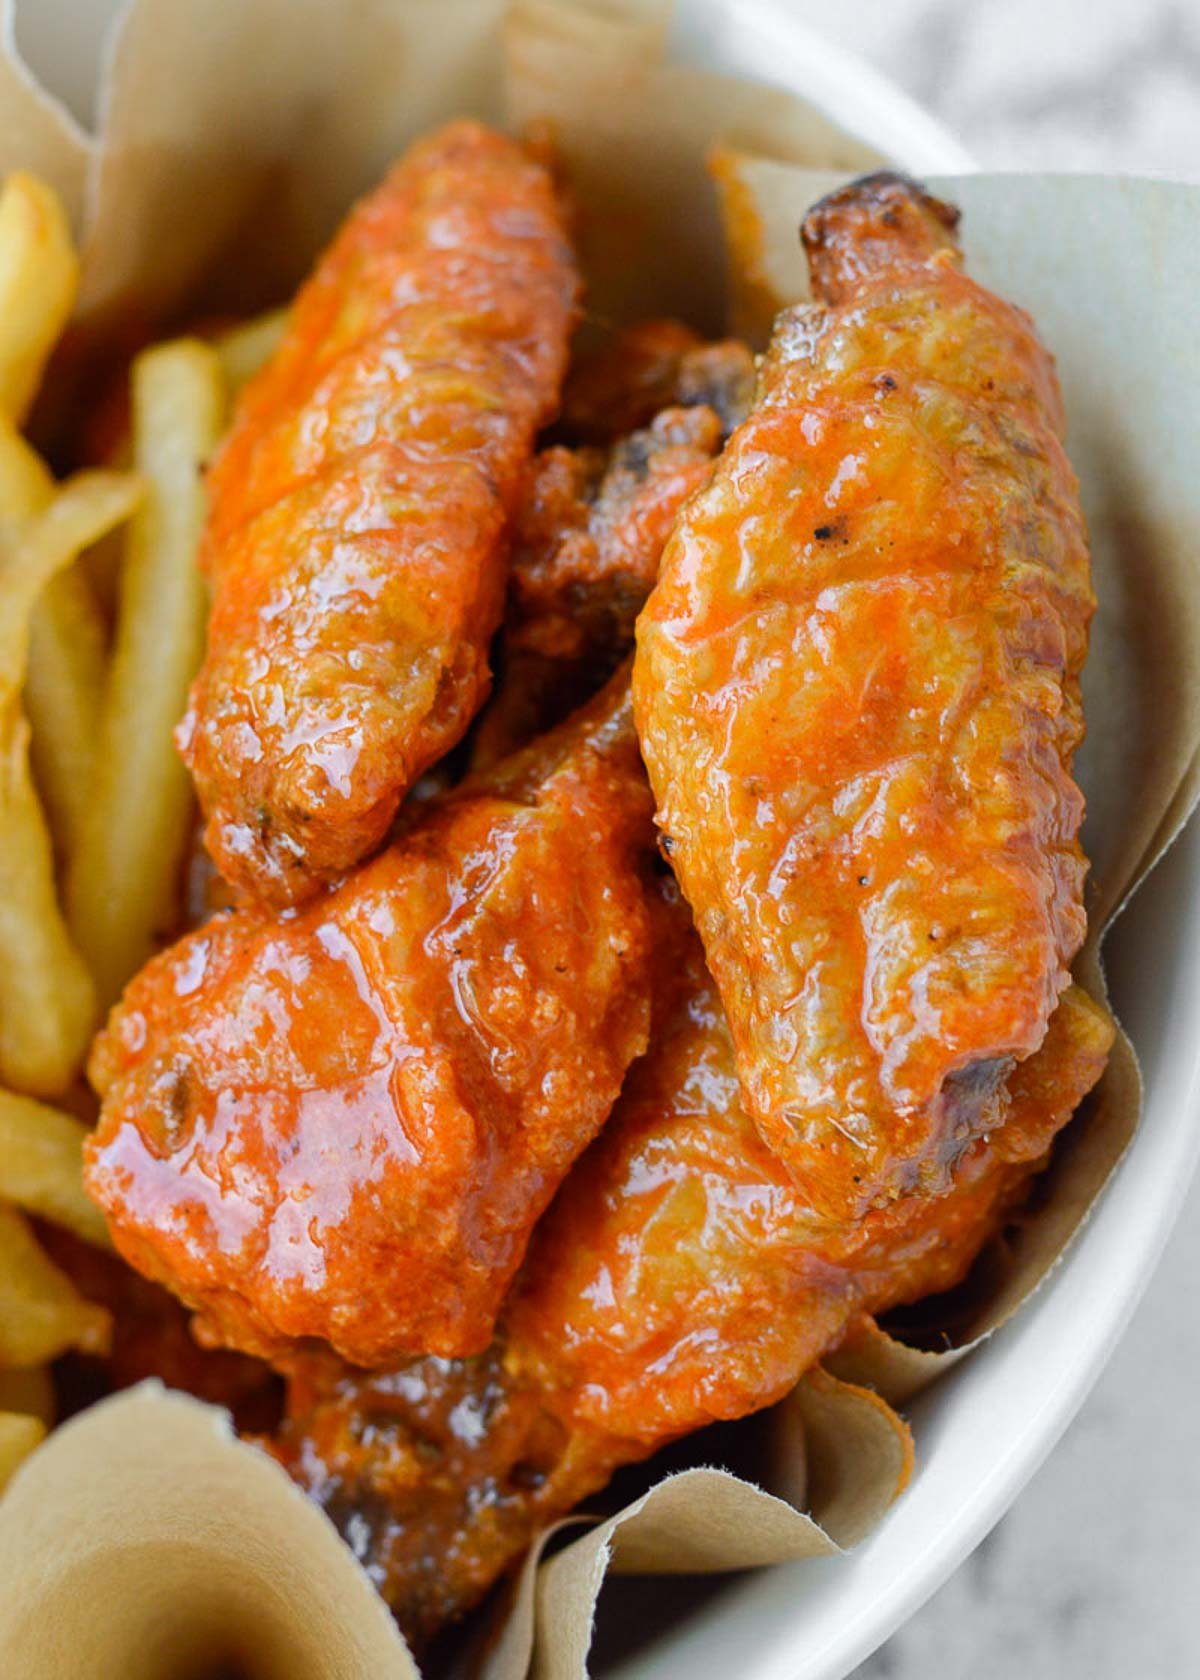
(983, 1431)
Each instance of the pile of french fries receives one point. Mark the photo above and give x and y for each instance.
(96, 809)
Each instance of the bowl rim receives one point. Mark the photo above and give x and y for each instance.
(837, 81)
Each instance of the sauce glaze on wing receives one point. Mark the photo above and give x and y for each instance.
(673, 1282)
(343, 1123)
(357, 532)
(857, 693)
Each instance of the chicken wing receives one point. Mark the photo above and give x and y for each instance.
(586, 548)
(857, 693)
(622, 384)
(656, 402)
(673, 1282)
(357, 532)
(343, 1123)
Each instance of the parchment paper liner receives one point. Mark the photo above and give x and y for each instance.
(143, 1538)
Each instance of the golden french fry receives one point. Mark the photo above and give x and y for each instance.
(246, 348)
(82, 510)
(101, 567)
(42, 1314)
(124, 882)
(64, 695)
(19, 1435)
(47, 1001)
(26, 482)
(64, 684)
(39, 273)
(30, 1390)
(41, 1166)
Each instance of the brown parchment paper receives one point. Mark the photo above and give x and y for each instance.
(142, 1539)
(633, 130)
(843, 1456)
(151, 1543)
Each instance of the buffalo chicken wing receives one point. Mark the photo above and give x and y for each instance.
(343, 1123)
(857, 693)
(586, 548)
(357, 534)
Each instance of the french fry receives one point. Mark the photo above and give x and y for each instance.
(39, 274)
(64, 684)
(246, 348)
(82, 511)
(26, 482)
(123, 884)
(30, 1390)
(19, 1435)
(64, 694)
(41, 1167)
(47, 1001)
(42, 1314)
(110, 446)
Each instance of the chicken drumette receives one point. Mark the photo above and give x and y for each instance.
(619, 385)
(857, 693)
(343, 1123)
(357, 537)
(586, 548)
(655, 404)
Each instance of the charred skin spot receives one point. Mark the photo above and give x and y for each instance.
(177, 1110)
(966, 1095)
(867, 225)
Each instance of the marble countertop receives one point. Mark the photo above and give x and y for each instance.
(1041, 84)
(1093, 1574)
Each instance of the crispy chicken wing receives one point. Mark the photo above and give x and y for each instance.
(857, 692)
(586, 548)
(673, 1282)
(357, 532)
(620, 386)
(656, 402)
(589, 537)
(344, 1123)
